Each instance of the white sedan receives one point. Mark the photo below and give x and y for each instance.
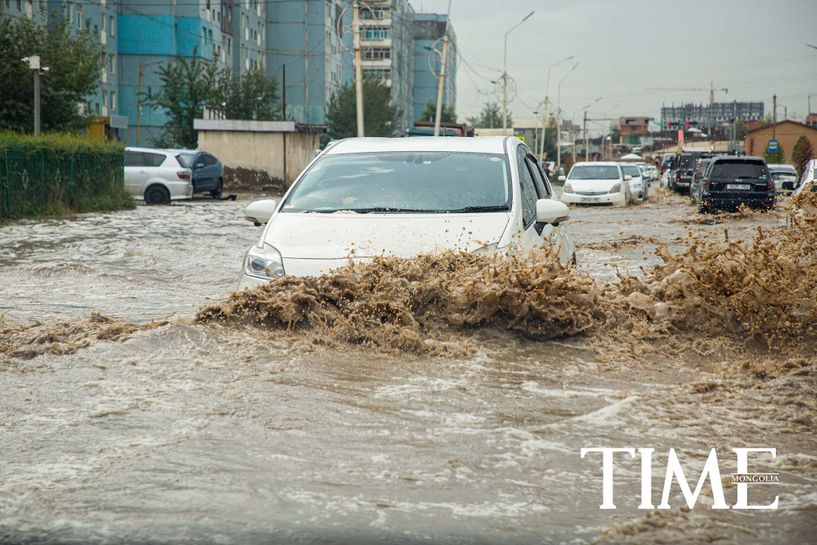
(367, 197)
(597, 183)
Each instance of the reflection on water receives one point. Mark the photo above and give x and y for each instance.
(193, 433)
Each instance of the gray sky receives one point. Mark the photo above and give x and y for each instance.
(627, 48)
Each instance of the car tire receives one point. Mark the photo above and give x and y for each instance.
(157, 194)
(216, 193)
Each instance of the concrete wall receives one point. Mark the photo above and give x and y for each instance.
(261, 153)
(787, 132)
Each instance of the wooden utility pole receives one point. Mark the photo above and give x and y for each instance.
(358, 73)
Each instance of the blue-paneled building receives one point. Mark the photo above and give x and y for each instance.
(311, 38)
(307, 38)
(429, 29)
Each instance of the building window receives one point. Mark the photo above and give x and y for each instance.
(113, 101)
(376, 33)
(377, 53)
(112, 26)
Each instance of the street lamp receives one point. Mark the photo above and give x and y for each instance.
(139, 100)
(586, 140)
(547, 107)
(34, 64)
(559, 118)
(505, 71)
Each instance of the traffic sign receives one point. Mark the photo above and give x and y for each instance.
(774, 145)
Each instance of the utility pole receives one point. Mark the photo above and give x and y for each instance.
(734, 124)
(139, 106)
(586, 146)
(774, 116)
(505, 72)
(544, 130)
(284, 118)
(358, 72)
(34, 64)
(441, 83)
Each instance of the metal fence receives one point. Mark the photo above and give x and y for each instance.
(36, 181)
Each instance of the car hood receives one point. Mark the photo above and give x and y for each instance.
(592, 185)
(340, 235)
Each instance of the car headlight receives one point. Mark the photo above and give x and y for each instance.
(567, 188)
(616, 188)
(264, 263)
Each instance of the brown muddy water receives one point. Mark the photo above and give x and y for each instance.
(116, 427)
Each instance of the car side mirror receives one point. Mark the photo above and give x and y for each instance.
(260, 212)
(562, 177)
(627, 177)
(551, 211)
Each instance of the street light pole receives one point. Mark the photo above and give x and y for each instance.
(358, 72)
(34, 64)
(441, 83)
(547, 107)
(559, 118)
(505, 72)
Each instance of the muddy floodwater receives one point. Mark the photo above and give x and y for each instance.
(193, 433)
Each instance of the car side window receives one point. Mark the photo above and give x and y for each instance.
(527, 189)
(134, 159)
(207, 159)
(539, 178)
(153, 159)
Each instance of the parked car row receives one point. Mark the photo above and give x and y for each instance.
(605, 182)
(159, 176)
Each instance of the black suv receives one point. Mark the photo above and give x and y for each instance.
(684, 170)
(731, 181)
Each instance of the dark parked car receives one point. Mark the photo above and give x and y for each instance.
(683, 170)
(731, 181)
(208, 172)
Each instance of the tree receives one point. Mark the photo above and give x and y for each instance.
(491, 117)
(447, 114)
(775, 158)
(188, 85)
(381, 117)
(251, 96)
(75, 66)
(802, 154)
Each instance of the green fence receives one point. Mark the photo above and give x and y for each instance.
(57, 175)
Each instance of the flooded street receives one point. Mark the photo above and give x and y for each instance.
(193, 433)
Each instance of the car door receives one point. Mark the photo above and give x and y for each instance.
(135, 173)
(205, 174)
(557, 235)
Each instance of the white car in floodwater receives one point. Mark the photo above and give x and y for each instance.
(367, 197)
(598, 183)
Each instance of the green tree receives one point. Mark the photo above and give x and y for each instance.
(802, 154)
(380, 116)
(775, 158)
(491, 117)
(251, 96)
(75, 65)
(447, 114)
(188, 85)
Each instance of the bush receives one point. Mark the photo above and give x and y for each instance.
(60, 174)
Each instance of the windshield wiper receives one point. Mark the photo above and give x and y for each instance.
(385, 210)
(466, 209)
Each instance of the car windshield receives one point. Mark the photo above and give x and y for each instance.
(687, 161)
(738, 169)
(782, 175)
(404, 182)
(632, 171)
(186, 159)
(594, 172)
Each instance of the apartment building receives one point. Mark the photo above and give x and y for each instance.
(429, 29)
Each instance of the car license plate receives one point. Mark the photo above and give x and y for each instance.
(588, 199)
(739, 187)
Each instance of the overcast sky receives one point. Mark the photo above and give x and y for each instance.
(625, 49)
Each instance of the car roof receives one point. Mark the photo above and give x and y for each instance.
(478, 144)
(747, 158)
(598, 163)
(781, 167)
(160, 150)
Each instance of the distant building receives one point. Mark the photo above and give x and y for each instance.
(387, 41)
(634, 127)
(429, 29)
(705, 115)
(811, 120)
(787, 133)
(308, 38)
